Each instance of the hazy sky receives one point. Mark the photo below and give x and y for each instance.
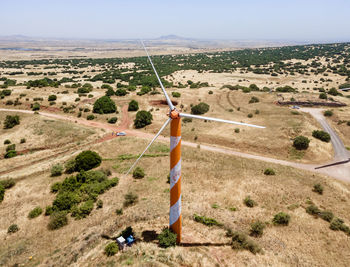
(300, 20)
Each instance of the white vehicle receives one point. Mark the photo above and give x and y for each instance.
(121, 134)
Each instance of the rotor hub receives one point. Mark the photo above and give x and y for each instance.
(174, 114)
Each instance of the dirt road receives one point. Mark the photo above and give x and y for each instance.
(341, 172)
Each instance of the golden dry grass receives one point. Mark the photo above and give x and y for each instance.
(208, 178)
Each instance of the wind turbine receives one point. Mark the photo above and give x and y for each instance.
(175, 218)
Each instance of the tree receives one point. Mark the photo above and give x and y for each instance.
(133, 105)
(11, 121)
(323, 96)
(121, 92)
(322, 135)
(143, 118)
(104, 105)
(110, 92)
(301, 142)
(52, 98)
(87, 160)
(199, 109)
(333, 92)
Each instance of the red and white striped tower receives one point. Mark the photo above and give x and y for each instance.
(175, 219)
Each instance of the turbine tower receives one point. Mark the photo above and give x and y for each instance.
(175, 219)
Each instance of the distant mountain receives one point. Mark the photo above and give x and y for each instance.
(172, 37)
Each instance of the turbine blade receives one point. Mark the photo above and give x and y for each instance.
(154, 138)
(218, 120)
(170, 104)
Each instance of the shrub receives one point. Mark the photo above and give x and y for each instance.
(58, 219)
(237, 130)
(83, 210)
(175, 94)
(111, 249)
(90, 117)
(336, 224)
(249, 202)
(104, 105)
(48, 210)
(130, 199)
(257, 228)
(138, 173)
(65, 200)
(323, 136)
(199, 109)
(70, 166)
(35, 106)
(2, 193)
(13, 228)
(113, 120)
(7, 141)
(323, 96)
(52, 98)
(328, 113)
(11, 147)
(210, 92)
(99, 204)
(333, 92)
(318, 188)
(205, 220)
(167, 238)
(110, 91)
(254, 99)
(269, 171)
(23, 140)
(8, 183)
(327, 215)
(241, 241)
(121, 92)
(250, 115)
(143, 118)
(119, 211)
(301, 142)
(87, 160)
(281, 218)
(56, 170)
(10, 154)
(11, 121)
(313, 210)
(35, 212)
(133, 105)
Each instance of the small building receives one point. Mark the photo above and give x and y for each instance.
(121, 242)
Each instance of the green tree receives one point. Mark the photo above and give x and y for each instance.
(199, 109)
(87, 160)
(143, 118)
(11, 121)
(301, 142)
(104, 105)
(133, 105)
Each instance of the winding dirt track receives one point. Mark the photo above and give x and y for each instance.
(341, 172)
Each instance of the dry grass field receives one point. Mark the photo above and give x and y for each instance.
(213, 184)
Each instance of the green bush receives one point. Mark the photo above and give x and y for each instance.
(7, 141)
(143, 118)
(11, 147)
(70, 166)
(323, 136)
(10, 154)
(333, 92)
(13, 228)
(313, 210)
(35, 212)
(318, 188)
(301, 142)
(83, 210)
(323, 96)
(237, 130)
(23, 140)
(281, 218)
(249, 202)
(199, 109)
(175, 94)
(130, 199)
(241, 241)
(58, 219)
(56, 170)
(327, 215)
(8, 183)
(121, 92)
(87, 160)
(206, 221)
(138, 173)
(119, 211)
(65, 200)
(167, 238)
(328, 113)
(2, 193)
(336, 224)
(269, 171)
(90, 117)
(52, 98)
(49, 210)
(254, 99)
(133, 105)
(11, 121)
(110, 91)
(250, 115)
(113, 120)
(104, 105)
(257, 228)
(111, 249)
(35, 106)
(99, 204)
